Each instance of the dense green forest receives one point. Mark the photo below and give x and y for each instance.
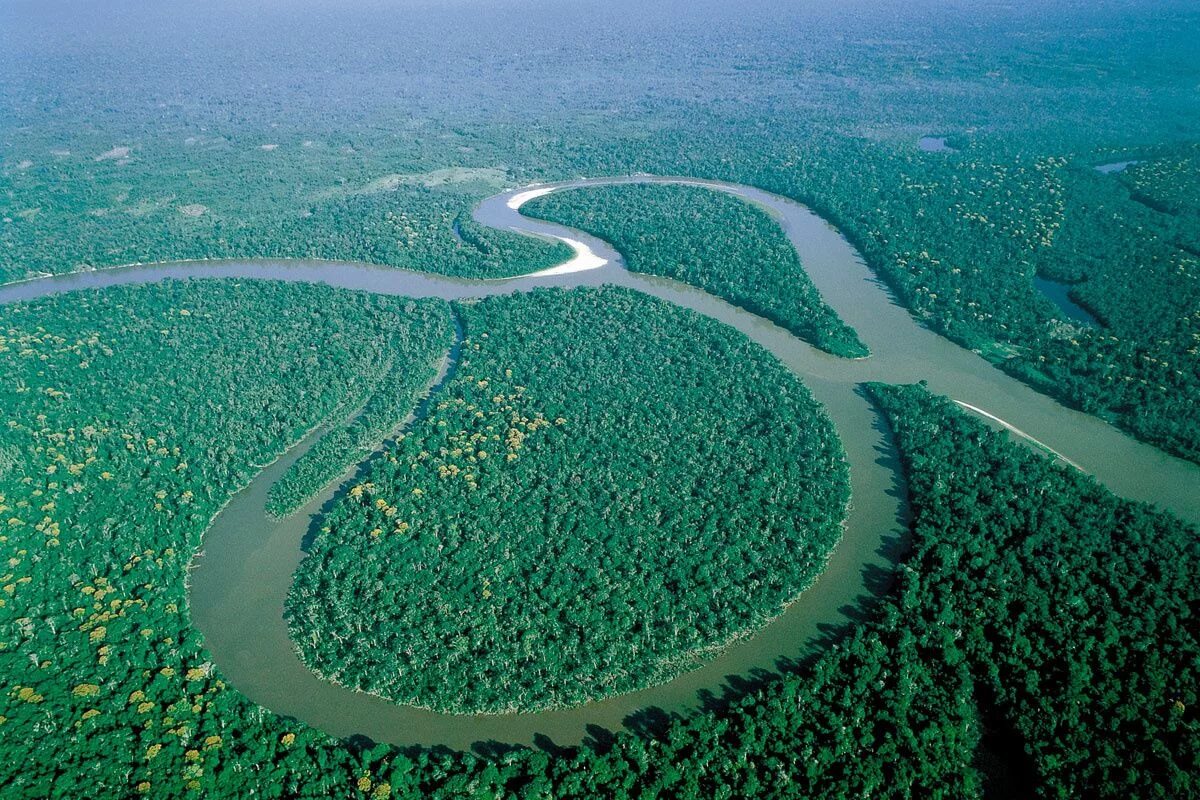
(421, 332)
(1033, 611)
(130, 416)
(1073, 609)
(719, 243)
(608, 490)
(960, 236)
(127, 215)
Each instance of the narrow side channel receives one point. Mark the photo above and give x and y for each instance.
(241, 577)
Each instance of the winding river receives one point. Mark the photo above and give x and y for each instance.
(240, 579)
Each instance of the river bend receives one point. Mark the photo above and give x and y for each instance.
(240, 579)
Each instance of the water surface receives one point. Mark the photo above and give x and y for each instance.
(935, 144)
(1115, 166)
(1059, 294)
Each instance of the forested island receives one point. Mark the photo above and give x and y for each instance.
(609, 489)
(711, 240)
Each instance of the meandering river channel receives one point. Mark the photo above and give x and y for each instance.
(241, 577)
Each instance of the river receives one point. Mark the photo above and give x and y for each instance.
(241, 577)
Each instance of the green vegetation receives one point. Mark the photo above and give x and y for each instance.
(719, 243)
(1142, 368)
(608, 490)
(131, 415)
(1039, 624)
(961, 235)
(957, 235)
(828, 110)
(130, 216)
(1072, 608)
(1034, 610)
(1030, 646)
(411, 335)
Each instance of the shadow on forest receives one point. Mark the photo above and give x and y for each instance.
(1001, 757)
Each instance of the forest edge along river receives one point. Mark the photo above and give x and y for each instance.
(243, 572)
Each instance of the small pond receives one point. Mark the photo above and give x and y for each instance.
(934, 144)
(1058, 293)
(1115, 166)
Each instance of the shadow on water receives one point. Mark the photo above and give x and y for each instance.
(494, 750)
(419, 412)
(879, 577)
(547, 745)
(599, 739)
(359, 744)
(652, 722)
(893, 549)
